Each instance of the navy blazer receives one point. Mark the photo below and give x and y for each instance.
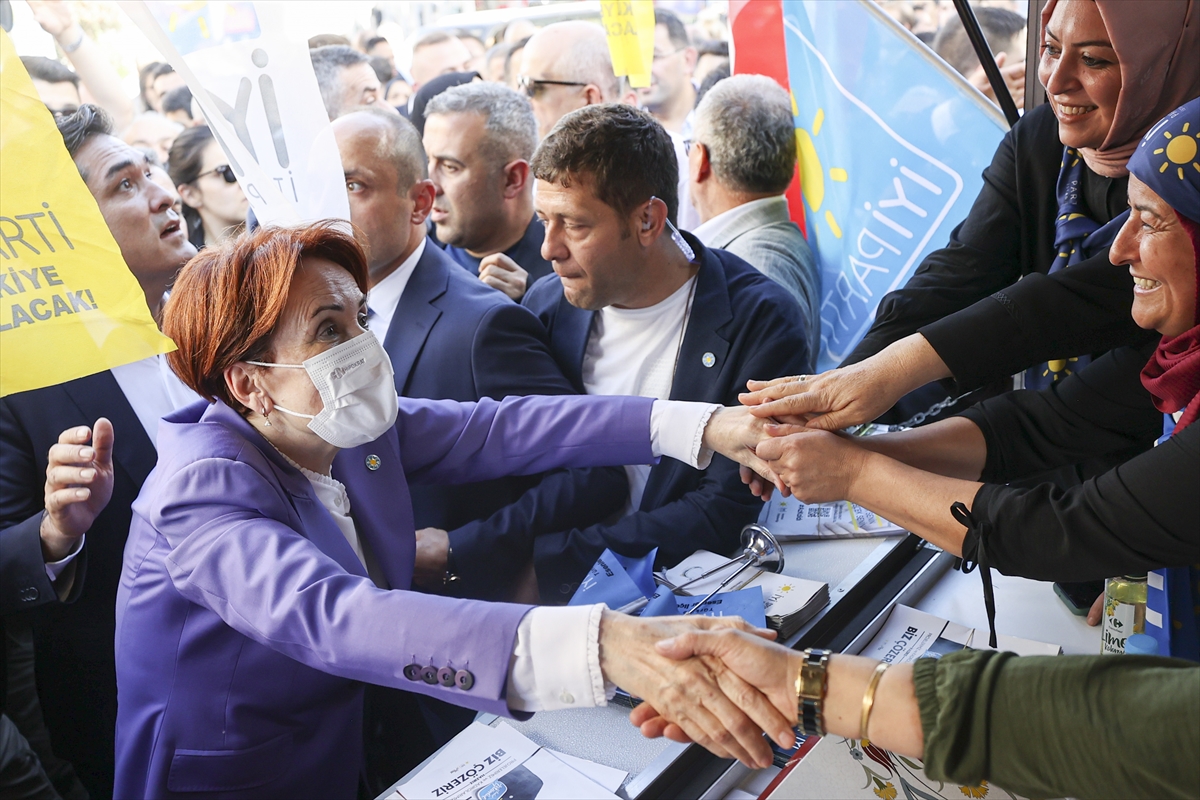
(743, 325)
(527, 252)
(455, 338)
(76, 672)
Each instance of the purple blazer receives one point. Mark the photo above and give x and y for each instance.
(245, 622)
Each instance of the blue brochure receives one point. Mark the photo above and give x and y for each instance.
(745, 603)
(617, 580)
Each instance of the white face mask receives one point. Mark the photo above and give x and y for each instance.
(357, 388)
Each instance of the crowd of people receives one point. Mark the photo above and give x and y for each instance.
(571, 315)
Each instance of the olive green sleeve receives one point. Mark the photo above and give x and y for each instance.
(1080, 726)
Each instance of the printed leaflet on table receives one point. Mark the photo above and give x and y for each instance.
(494, 763)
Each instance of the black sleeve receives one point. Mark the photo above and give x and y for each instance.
(1084, 309)
(1101, 410)
(1142, 515)
(982, 257)
(24, 583)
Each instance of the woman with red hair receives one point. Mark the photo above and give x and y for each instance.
(270, 557)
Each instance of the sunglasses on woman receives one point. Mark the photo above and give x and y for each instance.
(225, 171)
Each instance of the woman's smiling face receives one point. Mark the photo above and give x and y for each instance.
(1161, 260)
(1080, 72)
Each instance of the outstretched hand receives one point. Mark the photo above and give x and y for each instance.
(816, 466)
(79, 484)
(758, 662)
(829, 401)
(704, 700)
(54, 16)
(849, 395)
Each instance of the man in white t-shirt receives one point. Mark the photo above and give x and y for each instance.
(636, 307)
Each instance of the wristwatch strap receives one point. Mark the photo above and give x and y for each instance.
(450, 576)
(810, 692)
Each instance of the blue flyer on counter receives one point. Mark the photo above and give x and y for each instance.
(745, 603)
(617, 580)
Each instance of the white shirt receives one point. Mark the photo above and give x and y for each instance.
(688, 217)
(153, 391)
(385, 295)
(556, 659)
(633, 351)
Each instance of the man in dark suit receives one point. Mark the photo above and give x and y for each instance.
(480, 137)
(73, 644)
(449, 337)
(42, 565)
(637, 308)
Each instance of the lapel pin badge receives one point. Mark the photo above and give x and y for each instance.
(708, 359)
(373, 462)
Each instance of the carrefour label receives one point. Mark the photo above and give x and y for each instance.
(1118, 624)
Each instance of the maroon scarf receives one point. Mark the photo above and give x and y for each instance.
(1173, 374)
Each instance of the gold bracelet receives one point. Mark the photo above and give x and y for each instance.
(869, 698)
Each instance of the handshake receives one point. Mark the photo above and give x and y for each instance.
(720, 683)
(714, 681)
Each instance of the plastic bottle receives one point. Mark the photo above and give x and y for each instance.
(1141, 644)
(1124, 611)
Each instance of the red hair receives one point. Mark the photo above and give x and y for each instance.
(227, 300)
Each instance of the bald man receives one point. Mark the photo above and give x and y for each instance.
(566, 66)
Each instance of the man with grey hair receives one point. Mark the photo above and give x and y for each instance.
(345, 78)
(737, 185)
(480, 138)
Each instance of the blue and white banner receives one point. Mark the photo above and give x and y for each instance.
(892, 144)
(259, 95)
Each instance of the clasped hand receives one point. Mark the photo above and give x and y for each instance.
(696, 696)
(789, 455)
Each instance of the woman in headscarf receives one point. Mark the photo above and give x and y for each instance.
(945, 482)
(1032, 253)
(1061, 726)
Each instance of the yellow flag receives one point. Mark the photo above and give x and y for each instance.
(69, 306)
(630, 28)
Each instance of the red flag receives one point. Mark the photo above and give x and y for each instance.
(759, 49)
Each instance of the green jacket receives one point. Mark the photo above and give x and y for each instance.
(1080, 726)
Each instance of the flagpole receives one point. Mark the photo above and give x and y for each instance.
(987, 61)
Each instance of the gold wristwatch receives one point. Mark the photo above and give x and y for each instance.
(810, 691)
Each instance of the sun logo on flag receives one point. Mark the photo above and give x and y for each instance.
(812, 173)
(1179, 150)
(1058, 367)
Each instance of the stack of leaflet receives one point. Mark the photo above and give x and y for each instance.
(791, 519)
(787, 602)
(485, 763)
